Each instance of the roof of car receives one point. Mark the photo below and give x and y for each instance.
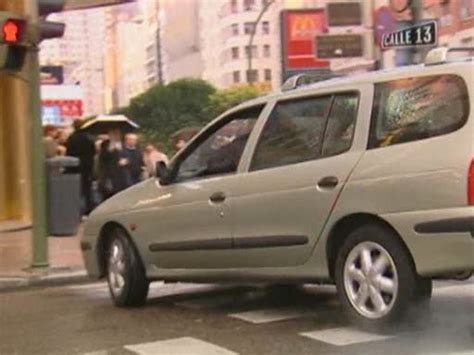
(368, 77)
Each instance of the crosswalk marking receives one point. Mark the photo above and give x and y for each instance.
(455, 291)
(179, 346)
(344, 336)
(273, 315)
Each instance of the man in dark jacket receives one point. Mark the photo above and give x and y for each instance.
(81, 145)
(134, 156)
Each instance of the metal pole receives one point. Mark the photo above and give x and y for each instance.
(416, 16)
(38, 180)
(252, 35)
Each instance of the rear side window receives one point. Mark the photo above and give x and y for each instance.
(340, 125)
(293, 133)
(307, 129)
(417, 108)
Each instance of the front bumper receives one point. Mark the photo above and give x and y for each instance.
(440, 241)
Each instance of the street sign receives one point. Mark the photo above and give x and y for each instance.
(425, 34)
(344, 14)
(339, 46)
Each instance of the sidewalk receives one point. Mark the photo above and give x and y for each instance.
(65, 260)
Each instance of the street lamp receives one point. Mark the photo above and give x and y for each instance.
(252, 35)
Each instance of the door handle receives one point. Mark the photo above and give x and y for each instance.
(217, 197)
(328, 182)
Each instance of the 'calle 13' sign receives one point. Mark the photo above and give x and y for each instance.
(425, 34)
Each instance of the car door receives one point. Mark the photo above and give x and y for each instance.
(296, 172)
(192, 212)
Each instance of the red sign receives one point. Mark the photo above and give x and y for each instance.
(299, 29)
(69, 108)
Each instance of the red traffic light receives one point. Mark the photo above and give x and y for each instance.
(12, 31)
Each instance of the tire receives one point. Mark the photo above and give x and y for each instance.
(126, 277)
(424, 290)
(378, 291)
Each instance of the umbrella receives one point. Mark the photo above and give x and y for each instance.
(104, 123)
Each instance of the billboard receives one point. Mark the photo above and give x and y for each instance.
(340, 46)
(299, 29)
(65, 100)
(51, 75)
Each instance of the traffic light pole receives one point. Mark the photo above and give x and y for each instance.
(38, 173)
(38, 178)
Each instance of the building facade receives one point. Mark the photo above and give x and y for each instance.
(81, 54)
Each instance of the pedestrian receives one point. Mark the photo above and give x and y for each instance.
(114, 175)
(61, 139)
(151, 156)
(49, 141)
(134, 156)
(81, 145)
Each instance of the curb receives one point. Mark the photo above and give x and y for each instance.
(43, 280)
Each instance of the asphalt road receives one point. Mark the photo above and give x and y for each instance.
(222, 320)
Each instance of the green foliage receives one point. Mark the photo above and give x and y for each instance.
(223, 100)
(165, 109)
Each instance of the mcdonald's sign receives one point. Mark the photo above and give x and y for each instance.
(299, 29)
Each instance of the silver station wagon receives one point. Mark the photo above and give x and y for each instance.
(366, 182)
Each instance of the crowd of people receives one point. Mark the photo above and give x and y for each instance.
(109, 163)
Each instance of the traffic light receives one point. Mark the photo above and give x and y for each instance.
(13, 47)
(49, 29)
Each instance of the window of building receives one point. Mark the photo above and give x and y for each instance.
(412, 109)
(233, 6)
(268, 75)
(266, 27)
(293, 133)
(266, 51)
(249, 5)
(236, 77)
(248, 28)
(235, 29)
(252, 76)
(235, 52)
(467, 9)
(254, 51)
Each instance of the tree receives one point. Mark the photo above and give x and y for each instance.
(164, 109)
(223, 100)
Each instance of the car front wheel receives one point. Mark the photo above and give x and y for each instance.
(126, 277)
(375, 278)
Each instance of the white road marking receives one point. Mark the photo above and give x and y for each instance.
(100, 352)
(179, 346)
(93, 286)
(344, 336)
(273, 315)
(460, 291)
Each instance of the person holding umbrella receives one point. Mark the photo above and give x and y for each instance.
(113, 162)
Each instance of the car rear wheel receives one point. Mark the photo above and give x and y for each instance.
(126, 277)
(375, 278)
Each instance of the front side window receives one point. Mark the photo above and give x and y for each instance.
(219, 152)
(293, 133)
(417, 108)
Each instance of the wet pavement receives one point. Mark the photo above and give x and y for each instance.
(210, 319)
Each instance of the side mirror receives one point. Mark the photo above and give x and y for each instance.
(162, 173)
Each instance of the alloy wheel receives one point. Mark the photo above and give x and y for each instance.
(370, 280)
(116, 270)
